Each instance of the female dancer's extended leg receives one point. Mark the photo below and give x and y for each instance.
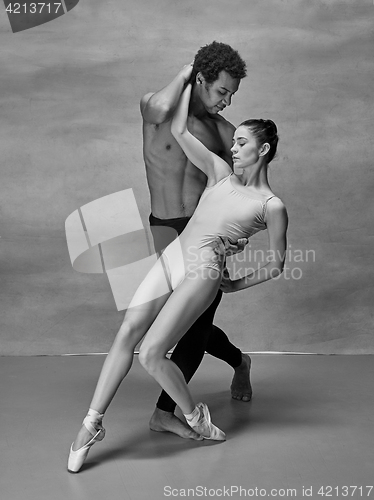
(136, 322)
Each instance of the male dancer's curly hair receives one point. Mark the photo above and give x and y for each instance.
(211, 59)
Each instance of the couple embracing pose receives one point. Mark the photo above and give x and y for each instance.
(189, 153)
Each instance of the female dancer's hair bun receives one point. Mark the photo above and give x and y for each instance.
(271, 125)
(264, 131)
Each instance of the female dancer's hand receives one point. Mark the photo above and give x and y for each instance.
(227, 285)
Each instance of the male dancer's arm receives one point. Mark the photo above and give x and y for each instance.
(223, 246)
(159, 107)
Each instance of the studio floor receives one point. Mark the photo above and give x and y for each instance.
(309, 426)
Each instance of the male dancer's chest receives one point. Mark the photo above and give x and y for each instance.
(175, 184)
(162, 148)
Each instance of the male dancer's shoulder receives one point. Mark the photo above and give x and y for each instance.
(153, 111)
(144, 101)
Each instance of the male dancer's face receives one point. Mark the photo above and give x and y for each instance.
(217, 95)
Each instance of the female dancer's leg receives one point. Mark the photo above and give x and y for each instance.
(136, 322)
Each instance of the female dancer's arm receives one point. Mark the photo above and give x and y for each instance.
(276, 221)
(214, 167)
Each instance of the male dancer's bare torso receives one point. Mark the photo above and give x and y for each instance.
(175, 184)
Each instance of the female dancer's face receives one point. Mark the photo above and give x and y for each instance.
(245, 150)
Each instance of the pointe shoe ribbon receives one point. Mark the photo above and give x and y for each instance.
(202, 424)
(92, 423)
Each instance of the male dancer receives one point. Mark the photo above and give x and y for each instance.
(176, 185)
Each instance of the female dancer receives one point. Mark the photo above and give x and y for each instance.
(231, 207)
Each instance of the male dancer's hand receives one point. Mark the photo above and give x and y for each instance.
(186, 72)
(225, 248)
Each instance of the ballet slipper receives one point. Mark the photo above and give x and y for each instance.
(92, 423)
(203, 425)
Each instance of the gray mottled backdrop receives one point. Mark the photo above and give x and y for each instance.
(71, 133)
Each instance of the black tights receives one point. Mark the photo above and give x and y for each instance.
(202, 336)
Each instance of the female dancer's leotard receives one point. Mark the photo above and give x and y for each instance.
(222, 211)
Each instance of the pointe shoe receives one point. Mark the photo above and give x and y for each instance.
(203, 425)
(92, 423)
